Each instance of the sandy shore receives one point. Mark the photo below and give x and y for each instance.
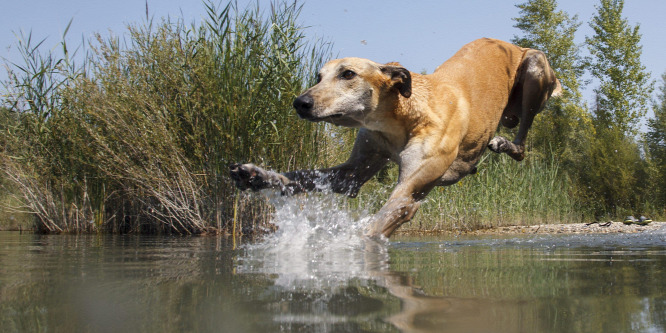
(574, 228)
(566, 228)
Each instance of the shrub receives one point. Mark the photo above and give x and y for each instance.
(139, 137)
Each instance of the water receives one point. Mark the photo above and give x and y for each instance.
(317, 274)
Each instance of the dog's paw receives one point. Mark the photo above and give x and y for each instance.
(498, 144)
(502, 145)
(248, 176)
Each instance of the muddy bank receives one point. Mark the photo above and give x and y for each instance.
(572, 228)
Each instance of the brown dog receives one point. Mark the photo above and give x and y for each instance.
(436, 127)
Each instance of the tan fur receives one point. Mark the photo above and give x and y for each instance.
(436, 127)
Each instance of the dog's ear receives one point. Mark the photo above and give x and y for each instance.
(400, 79)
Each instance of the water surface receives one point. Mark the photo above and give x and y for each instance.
(297, 281)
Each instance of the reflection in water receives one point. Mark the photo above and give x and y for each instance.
(531, 284)
(578, 283)
(325, 273)
(317, 274)
(316, 245)
(319, 258)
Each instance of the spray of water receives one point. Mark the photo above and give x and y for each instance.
(319, 244)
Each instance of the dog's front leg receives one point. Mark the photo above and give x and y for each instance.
(367, 158)
(398, 210)
(250, 176)
(346, 178)
(418, 175)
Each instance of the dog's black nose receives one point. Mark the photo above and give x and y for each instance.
(303, 105)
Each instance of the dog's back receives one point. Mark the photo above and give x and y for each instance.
(486, 70)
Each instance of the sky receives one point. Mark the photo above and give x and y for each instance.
(419, 34)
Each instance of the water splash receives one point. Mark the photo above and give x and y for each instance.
(319, 244)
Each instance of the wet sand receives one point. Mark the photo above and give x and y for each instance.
(570, 228)
(576, 228)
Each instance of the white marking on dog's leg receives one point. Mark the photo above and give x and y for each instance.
(499, 144)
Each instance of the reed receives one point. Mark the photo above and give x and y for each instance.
(503, 192)
(139, 137)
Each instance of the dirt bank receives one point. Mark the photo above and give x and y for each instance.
(572, 228)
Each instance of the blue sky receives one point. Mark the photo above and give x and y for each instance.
(419, 34)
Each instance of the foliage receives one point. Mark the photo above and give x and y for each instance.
(624, 85)
(138, 138)
(552, 31)
(597, 151)
(611, 173)
(563, 130)
(615, 165)
(563, 125)
(503, 192)
(141, 140)
(656, 141)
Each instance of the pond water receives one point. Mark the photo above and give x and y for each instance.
(327, 278)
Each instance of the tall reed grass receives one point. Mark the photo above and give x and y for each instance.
(503, 192)
(138, 137)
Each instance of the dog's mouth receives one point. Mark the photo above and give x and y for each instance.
(315, 119)
(338, 119)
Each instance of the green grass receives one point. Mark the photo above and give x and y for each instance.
(139, 136)
(503, 192)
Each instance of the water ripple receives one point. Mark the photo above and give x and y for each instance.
(318, 244)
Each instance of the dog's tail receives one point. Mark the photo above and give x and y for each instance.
(557, 91)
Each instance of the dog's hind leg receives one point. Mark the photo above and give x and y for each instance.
(500, 144)
(535, 83)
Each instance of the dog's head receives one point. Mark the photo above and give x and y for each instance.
(350, 89)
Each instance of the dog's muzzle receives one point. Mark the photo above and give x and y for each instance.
(303, 105)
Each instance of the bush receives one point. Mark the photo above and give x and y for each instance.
(139, 138)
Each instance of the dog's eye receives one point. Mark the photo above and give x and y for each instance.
(348, 75)
(318, 78)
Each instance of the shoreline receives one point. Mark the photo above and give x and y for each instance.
(558, 228)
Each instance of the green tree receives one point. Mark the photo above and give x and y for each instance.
(624, 84)
(614, 167)
(656, 140)
(552, 31)
(565, 123)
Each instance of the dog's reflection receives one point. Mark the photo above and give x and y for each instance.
(420, 312)
(358, 290)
